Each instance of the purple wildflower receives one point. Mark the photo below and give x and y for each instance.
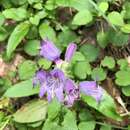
(70, 52)
(49, 51)
(72, 93)
(52, 84)
(90, 88)
(40, 76)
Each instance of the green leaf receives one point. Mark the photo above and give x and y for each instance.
(126, 90)
(90, 52)
(81, 69)
(53, 109)
(123, 78)
(82, 17)
(118, 38)
(64, 37)
(85, 115)
(98, 74)
(115, 18)
(17, 14)
(44, 63)
(103, 6)
(46, 31)
(51, 125)
(108, 62)
(102, 39)
(69, 122)
(16, 37)
(105, 127)
(78, 56)
(125, 28)
(106, 106)
(32, 111)
(34, 20)
(89, 125)
(123, 64)
(33, 1)
(32, 47)
(3, 34)
(2, 19)
(27, 69)
(22, 89)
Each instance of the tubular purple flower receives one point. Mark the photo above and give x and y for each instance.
(51, 83)
(49, 50)
(39, 78)
(90, 88)
(72, 93)
(70, 52)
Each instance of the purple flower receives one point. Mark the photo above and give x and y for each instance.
(52, 84)
(49, 51)
(40, 76)
(90, 88)
(72, 93)
(70, 52)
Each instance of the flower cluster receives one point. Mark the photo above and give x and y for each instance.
(55, 83)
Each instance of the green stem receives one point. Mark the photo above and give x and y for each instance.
(114, 126)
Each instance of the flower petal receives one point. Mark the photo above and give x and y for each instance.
(49, 51)
(90, 88)
(59, 94)
(57, 73)
(69, 86)
(70, 52)
(39, 78)
(42, 91)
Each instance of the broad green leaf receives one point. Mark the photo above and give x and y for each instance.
(82, 17)
(46, 31)
(53, 109)
(69, 122)
(38, 6)
(118, 38)
(33, 1)
(123, 78)
(98, 74)
(18, 2)
(64, 37)
(123, 64)
(87, 125)
(108, 62)
(85, 115)
(126, 90)
(35, 124)
(16, 37)
(51, 125)
(81, 69)
(16, 14)
(90, 52)
(127, 9)
(34, 20)
(2, 19)
(32, 47)
(44, 63)
(3, 34)
(106, 106)
(102, 39)
(27, 69)
(125, 28)
(105, 127)
(22, 89)
(78, 56)
(103, 6)
(32, 111)
(115, 18)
